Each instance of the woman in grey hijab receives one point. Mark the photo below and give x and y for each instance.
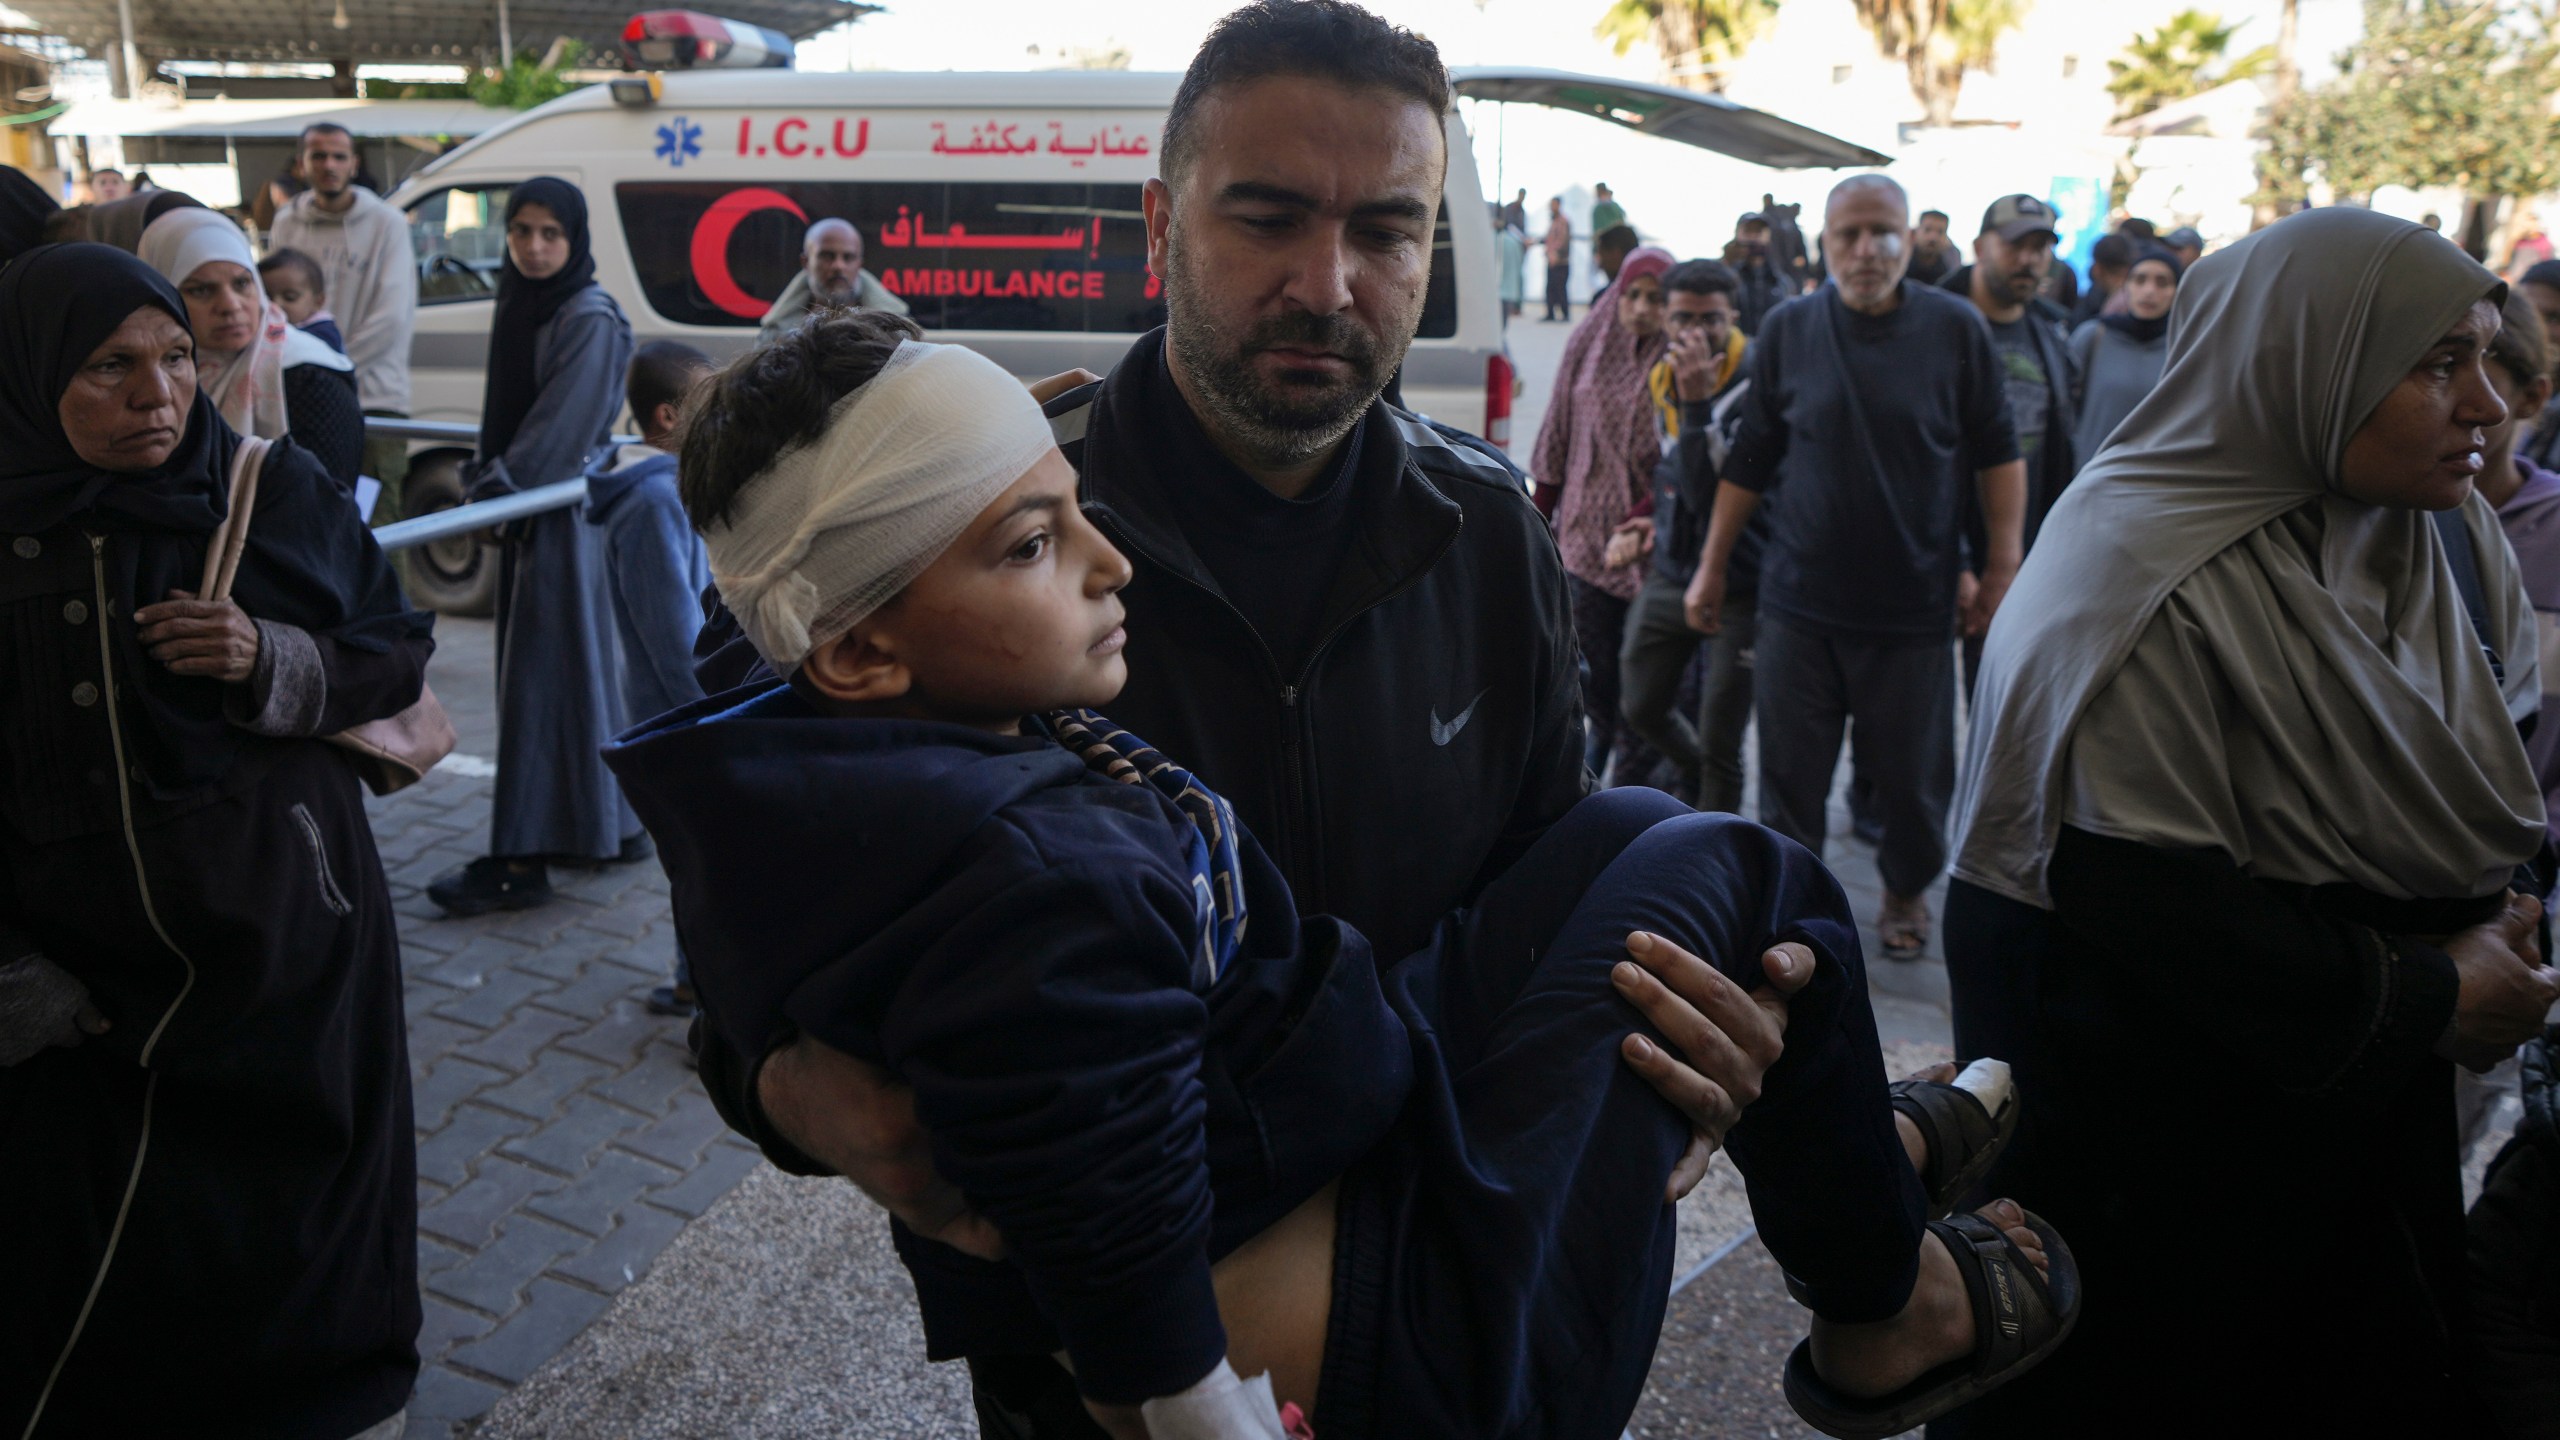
(2241, 807)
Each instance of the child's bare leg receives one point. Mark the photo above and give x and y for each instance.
(1275, 1294)
(1915, 1144)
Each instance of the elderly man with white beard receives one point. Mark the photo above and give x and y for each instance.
(831, 278)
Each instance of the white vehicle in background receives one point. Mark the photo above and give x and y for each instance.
(1004, 209)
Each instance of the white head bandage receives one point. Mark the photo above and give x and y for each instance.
(832, 529)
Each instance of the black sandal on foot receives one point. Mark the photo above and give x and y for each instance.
(1965, 1134)
(2019, 1317)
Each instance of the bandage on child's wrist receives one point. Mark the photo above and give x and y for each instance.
(1219, 1407)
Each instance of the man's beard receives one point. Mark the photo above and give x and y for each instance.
(1279, 429)
(823, 298)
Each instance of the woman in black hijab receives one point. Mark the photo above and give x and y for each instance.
(558, 350)
(206, 1157)
(25, 206)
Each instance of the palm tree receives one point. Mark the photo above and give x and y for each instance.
(1939, 42)
(2171, 63)
(1695, 38)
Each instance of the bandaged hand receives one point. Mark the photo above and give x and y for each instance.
(1220, 1407)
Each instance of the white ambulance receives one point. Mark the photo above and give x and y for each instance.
(1002, 207)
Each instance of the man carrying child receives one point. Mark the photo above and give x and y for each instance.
(1398, 730)
(1221, 1141)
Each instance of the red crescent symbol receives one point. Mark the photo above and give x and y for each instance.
(711, 247)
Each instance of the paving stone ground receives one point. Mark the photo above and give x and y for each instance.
(563, 1140)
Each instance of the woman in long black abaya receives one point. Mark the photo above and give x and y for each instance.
(210, 1206)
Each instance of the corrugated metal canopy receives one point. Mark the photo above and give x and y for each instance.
(277, 119)
(386, 31)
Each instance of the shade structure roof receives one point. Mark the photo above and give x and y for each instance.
(1710, 122)
(386, 31)
(277, 119)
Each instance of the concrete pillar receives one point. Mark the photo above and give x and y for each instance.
(132, 55)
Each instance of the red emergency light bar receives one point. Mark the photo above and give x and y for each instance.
(691, 40)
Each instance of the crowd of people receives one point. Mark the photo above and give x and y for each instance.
(1326, 1060)
(1866, 482)
(1928, 414)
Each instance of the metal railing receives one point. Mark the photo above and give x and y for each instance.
(481, 514)
(478, 514)
(397, 428)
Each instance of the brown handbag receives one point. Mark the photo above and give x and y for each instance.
(392, 753)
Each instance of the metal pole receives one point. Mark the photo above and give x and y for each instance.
(506, 38)
(480, 515)
(132, 55)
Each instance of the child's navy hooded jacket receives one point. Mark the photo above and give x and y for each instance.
(1013, 935)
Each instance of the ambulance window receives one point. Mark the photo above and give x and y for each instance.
(990, 256)
(461, 237)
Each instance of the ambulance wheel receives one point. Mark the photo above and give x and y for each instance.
(456, 576)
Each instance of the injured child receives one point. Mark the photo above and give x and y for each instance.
(1421, 1195)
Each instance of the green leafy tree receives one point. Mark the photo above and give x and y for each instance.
(2180, 59)
(1695, 38)
(2438, 93)
(1939, 42)
(529, 80)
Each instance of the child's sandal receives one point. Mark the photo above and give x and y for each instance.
(2019, 1316)
(1967, 1124)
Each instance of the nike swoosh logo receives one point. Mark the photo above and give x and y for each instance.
(1442, 732)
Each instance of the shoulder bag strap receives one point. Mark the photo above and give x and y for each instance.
(222, 551)
(2465, 561)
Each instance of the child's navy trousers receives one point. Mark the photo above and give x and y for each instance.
(1502, 1263)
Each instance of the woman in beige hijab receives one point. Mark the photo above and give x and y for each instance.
(2241, 808)
(266, 377)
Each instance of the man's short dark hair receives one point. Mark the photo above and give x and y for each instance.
(2544, 273)
(1321, 39)
(2139, 230)
(661, 372)
(1621, 238)
(1941, 216)
(302, 142)
(774, 397)
(1702, 277)
(300, 264)
(2115, 252)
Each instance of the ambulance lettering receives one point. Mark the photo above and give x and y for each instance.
(794, 136)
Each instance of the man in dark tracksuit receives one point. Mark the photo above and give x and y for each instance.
(1348, 621)
(1695, 390)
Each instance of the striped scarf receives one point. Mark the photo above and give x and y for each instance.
(1217, 870)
